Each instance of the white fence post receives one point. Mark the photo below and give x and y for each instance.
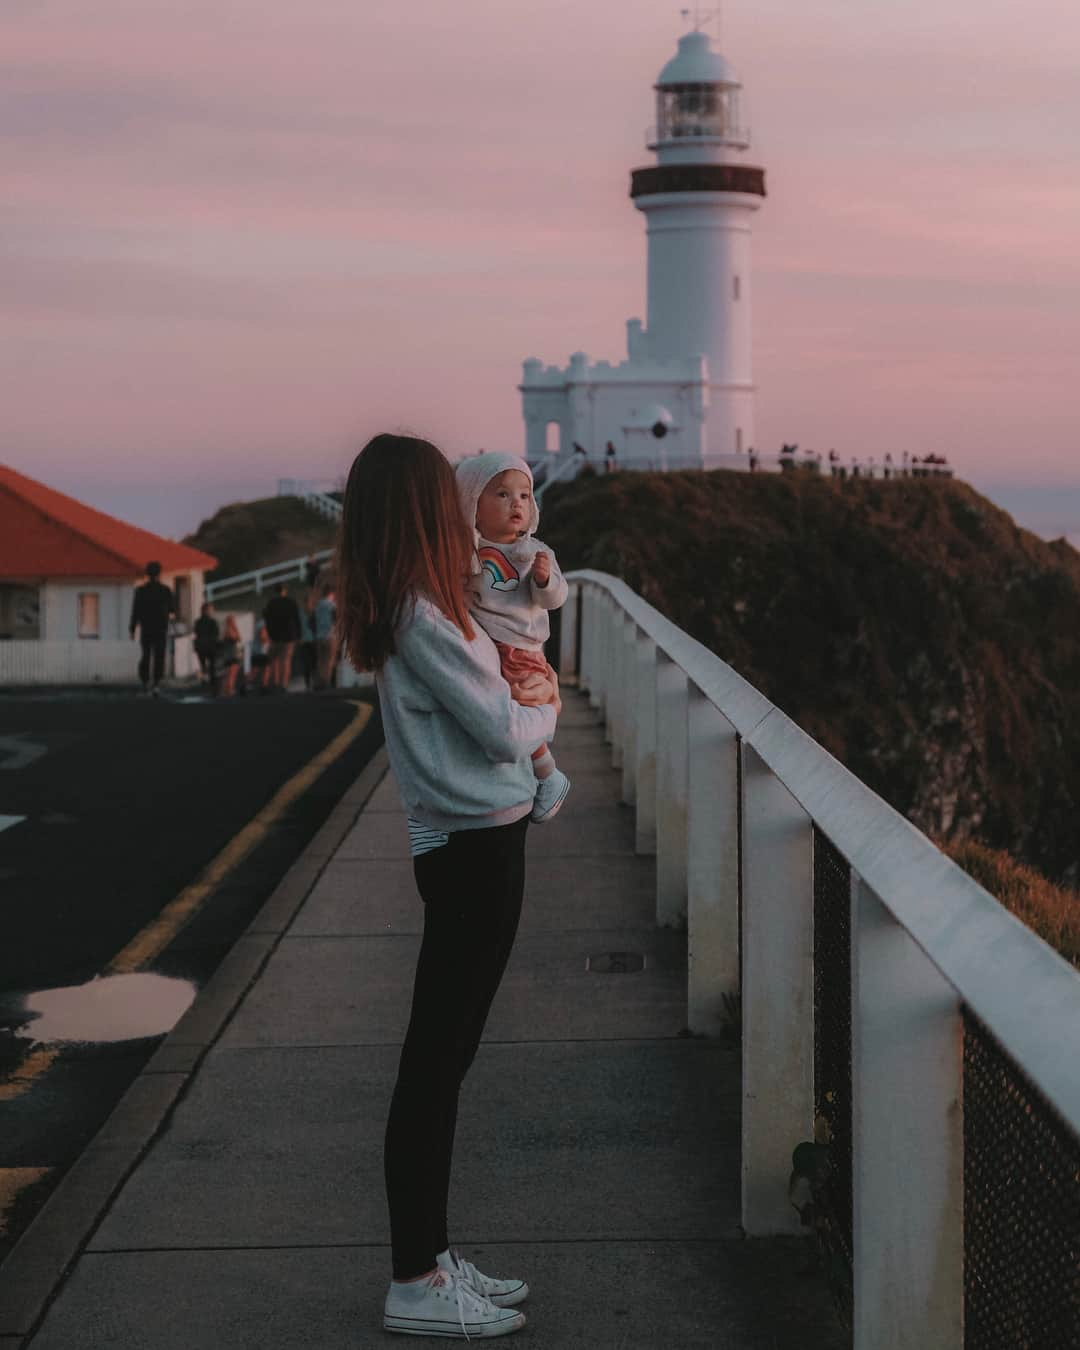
(645, 745)
(605, 608)
(671, 792)
(712, 882)
(777, 995)
(591, 620)
(616, 688)
(628, 662)
(598, 689)
(568, 634)
(908, 1139)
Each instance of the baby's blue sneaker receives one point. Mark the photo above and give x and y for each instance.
(550, 795)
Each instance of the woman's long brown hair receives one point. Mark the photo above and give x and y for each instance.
(402, 534)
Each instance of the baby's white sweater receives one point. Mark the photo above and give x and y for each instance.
(507, 602)
(459, 745)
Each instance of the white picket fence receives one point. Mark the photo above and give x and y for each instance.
(82, 661)
(727, 792)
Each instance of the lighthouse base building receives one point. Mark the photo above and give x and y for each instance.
(684, 397)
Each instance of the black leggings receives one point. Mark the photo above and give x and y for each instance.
(472, 889)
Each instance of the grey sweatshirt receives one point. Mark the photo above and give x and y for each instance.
(459, 745)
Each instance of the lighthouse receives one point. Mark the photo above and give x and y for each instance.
(684, 397)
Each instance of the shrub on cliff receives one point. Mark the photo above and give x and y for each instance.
(909, 626)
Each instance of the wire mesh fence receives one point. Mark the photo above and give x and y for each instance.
(1021, 1208)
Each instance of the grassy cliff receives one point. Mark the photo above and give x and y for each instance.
(246, 535)
(909, 626)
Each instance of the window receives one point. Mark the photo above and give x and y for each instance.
(738, 440)
(736, 286)
(553, 443)
(89, 614)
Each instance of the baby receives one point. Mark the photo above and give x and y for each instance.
(517, 581)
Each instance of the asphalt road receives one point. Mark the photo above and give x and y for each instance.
(124, 802)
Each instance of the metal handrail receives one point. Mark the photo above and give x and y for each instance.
(563, 474)
(1014, 981)
(262, 577)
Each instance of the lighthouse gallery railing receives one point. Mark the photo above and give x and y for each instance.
(890, 1007)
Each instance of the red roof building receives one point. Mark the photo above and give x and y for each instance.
(45, 535)
(67, 579)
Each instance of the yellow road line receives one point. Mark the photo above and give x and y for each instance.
(31, 1068)
(12, 1181)
(157, 935)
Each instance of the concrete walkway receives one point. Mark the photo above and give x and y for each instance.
(597, 1147)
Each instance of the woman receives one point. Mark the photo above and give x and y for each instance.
(460, 746)
(232, 656)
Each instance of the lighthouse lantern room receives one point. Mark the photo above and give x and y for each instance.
(691, 359)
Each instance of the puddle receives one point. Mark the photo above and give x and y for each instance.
(113, 1008)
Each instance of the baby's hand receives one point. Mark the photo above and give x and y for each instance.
(541, 569)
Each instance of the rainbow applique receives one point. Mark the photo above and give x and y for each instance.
(504, 575)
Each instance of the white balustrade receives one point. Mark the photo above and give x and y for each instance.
(777, 993)
(703, 753)
(907, 1122)
(645, 746)
(628, 668)
(262, 578)
(672, 767)
(712, 881)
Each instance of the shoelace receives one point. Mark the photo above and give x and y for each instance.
(467, 1298)
(470, 1274)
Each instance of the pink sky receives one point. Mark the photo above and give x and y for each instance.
(241, 236)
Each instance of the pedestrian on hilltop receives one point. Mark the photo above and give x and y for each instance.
(460, 746)
(152, 607)
(282, 619)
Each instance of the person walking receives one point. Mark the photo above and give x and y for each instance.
(207, 634)
(282, 617)
(324, 622)
(459, 742)
(151, 609)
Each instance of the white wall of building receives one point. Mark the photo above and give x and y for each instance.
(60, 609)
(60, 605)
(594, 404)
(698, 279)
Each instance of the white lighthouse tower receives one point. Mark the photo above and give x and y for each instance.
(699, 200)
(685, 396)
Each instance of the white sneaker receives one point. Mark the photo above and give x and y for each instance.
(503, 1293)
(550, 795)
(446, 1305)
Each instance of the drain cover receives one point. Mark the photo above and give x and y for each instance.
(615, 963)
